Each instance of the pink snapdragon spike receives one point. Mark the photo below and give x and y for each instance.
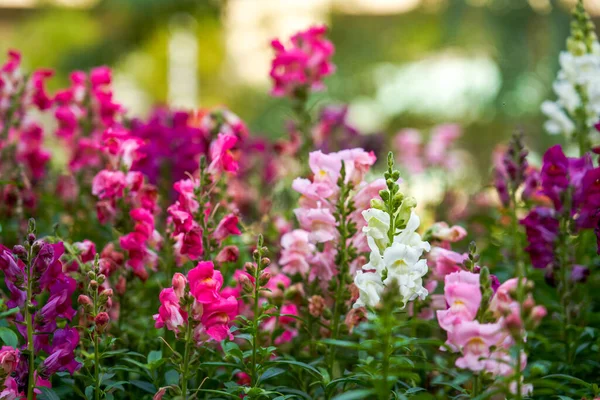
(212, 310)
(303, 64)
(22, 97)
(463, 296)
(187, 230)
(84, 112)
(311, 250)
(117, 184)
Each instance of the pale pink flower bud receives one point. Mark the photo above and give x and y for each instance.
(179, 282)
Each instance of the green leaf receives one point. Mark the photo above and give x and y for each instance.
(270, 373)
(307, 367)
(570, 379)
(218, 392)
(9, 337)
(146, 386)
(10, 312)
(89, 392)
(172, 377)
(354, 394)
(47, 394)
(154, 355)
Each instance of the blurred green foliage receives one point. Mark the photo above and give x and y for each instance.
(132, 37)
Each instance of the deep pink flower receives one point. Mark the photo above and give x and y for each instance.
(217, 315)
(108, 184)
(221, 157)
(228, 226)
(302, 65)
(170, 313)
(205, 282)
(192, 244)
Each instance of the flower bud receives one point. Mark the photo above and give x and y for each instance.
(265, 261)
(250, 268)
(228, 254)
(377, 204)
(101, 278)
(106, 293)
(246, 283)
(84, 300)
(31, 238)
(93, 284)
(538, 313)
(20, 251)
(101, 321)
(264, 278)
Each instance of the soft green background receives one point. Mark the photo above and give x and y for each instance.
(522, 42)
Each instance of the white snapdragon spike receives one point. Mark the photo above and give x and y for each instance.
(399, 261)
(577, 85)
(370, 288)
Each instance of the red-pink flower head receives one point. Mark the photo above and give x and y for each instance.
(304, 64)
(221, 156)
(205, 282)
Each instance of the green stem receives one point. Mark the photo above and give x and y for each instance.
(476, 385)
(342, 272)
(521, 276)
(186, 357)
(256, 317)
(384, 393)
(29, 319)
(96, 350)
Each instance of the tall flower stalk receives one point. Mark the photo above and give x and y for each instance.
(346, 253)
(577, 87)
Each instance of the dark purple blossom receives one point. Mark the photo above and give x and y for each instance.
(541, 227)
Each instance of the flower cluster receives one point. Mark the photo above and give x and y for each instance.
(33, 272)
(303, 65)
(396, 247)
(310, 251)
(191, 216)
(21, 134)
(197, 302)
(84, 111)
(174, 141)
(118, 186)
(484, 330)
(572, 187)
